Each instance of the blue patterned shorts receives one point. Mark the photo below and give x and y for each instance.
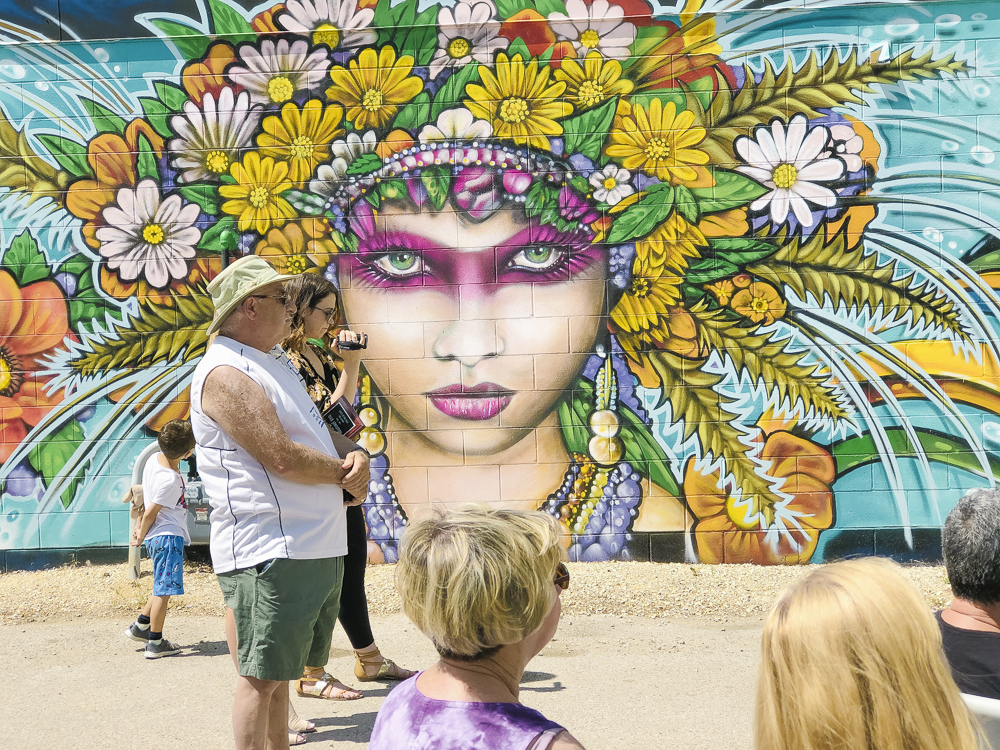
(167, 553)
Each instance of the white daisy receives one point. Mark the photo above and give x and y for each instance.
(611, 185)
(147, 238)
(455, 125)
(790, 163)
(847, 145)
(601, 26)
(278, 70)
(344, 152)
(209, 138)
(467, 32)
(336, 23)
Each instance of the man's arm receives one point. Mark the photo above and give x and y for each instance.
(242, 409)
(355, 464)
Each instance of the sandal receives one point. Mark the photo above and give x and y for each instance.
(385, 669)
(294, 738)
(325, 686)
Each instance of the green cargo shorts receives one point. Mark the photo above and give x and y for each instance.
(285, 612)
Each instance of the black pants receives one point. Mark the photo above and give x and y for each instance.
(353, 602)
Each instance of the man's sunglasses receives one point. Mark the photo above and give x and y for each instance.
(562, 577)
(282, 298)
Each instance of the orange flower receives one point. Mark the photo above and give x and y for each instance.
(263, 22)
(299, 247)
(205, 75)
(759, 302)
(396, 141)
(533, 29)
(728, 531)
(178, 408)
(203, 271)
(723, 290)
(34, 322)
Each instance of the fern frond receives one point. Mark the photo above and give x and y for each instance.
(765, 360)
(159, 334)
(854, 280)
(701, 409)
(23, 170)
(813, 86)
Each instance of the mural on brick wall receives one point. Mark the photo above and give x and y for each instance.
(717, 267)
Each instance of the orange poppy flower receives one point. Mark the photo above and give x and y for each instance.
(729, 531)
(34, 323)
(532, 27)
(199, 78)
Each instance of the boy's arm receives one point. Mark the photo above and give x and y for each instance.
(152, 510)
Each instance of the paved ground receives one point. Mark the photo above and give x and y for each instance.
(613, 681)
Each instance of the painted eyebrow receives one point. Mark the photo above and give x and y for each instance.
(389, 240)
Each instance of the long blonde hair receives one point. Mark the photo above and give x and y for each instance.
(851, 659)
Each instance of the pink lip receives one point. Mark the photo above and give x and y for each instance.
(482, 401)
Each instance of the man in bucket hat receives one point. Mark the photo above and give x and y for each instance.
(278, 489)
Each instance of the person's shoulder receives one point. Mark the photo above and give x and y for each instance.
(565, 741)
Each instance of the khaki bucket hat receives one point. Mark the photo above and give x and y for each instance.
(238, 281)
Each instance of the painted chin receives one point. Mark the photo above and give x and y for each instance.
(472, 403)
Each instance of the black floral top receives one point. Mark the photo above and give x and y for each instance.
(319, 384)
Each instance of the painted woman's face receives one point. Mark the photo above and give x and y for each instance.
(475, 329)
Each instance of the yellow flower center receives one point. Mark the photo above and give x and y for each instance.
(639, 288)
(11, 377)
(6, 376)
(739, 516)
(259, 196)
(610, 183)
(326, 34)
(153, 234)
(657, 148)
(458, 47)
(280, 89)
(514, 109)
(302, 147)
(217, 162)
(296, 264)
(784, 176)
(590, 93)
(759, 304)
(590, 39)
(373, 100)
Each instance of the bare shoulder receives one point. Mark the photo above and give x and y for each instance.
(227, 390)
(565, 741)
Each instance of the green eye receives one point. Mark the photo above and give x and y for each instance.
(537, 254)
(399, 265)
(402, 261)
(540, 258)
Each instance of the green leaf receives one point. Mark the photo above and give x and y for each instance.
(518, 47)
(437, 180)
(86, 304)
(220, 236)
(743, 250)
(392, 21)
(25, 262)
(703, 88)
(686, 204)
(453, 92)
(105, 121)
(507, 8)
(71, 156)
(641, 219)
(708, 270)
(190, 42)
(51, 455)
(171, 95)
(145, 163)
(158, 115)
(574, 429)
(585, 133)
(646, 39)
(678, 97)
(364, 164)
(229, 22)
(204, 195)
(414, 114)
(731, 190)
(550, 6)
(421, 40)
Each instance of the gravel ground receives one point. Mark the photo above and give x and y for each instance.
(701, 592)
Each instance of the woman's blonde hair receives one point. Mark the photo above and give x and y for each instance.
(475, 579)
(851, 659)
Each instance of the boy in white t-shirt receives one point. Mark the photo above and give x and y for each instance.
(164, 530)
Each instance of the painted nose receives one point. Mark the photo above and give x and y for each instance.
(468, 342)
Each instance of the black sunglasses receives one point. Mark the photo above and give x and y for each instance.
(562, 577)
(282, 298)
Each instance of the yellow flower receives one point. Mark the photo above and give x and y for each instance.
(671, 244)
(299, 247)
(301, 137)
(759, 302)
(373, 86)
(256, 196)
(520, 101)
(659, 141)
(723, 290)
(595, 81)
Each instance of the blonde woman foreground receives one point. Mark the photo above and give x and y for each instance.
(484, 585)
(851, 659)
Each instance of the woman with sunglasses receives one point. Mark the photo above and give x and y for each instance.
(484, 585)
(313, 348)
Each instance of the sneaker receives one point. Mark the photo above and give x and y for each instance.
(136, 633)
(163, 648)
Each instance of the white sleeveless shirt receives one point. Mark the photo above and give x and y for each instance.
(256, 515)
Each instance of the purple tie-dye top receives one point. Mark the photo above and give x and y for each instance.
(409, 720)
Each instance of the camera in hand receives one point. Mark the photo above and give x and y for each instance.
(352, 345)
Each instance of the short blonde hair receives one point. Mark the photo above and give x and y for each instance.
(475, 579)
(851, 658)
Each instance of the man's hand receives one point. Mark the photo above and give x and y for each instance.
(136, 541)
(356, 481)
